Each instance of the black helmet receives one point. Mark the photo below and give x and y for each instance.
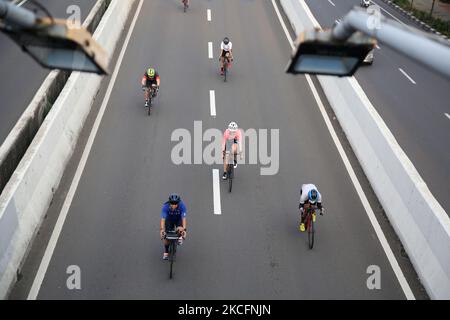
(174, 199)
(226, 40)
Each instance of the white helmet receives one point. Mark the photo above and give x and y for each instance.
(233, 126)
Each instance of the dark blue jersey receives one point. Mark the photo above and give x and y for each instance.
(175, 215)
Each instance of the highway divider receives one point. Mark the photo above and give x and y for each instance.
(419, 220)
(27, 196)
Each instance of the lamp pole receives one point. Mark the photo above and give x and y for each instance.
(418, 45)
(16, 16)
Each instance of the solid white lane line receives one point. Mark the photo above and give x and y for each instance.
(447, 115)
(283, 25)
(212, 102)
(389, 13)
(210, 50)
(378, 47)
(331, 2)
(76, 179)
(406, 75)
(208, 14)
(216, 191)
(379, 232)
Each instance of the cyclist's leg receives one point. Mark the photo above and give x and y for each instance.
(235, 150)
(305, 212)
(147, 93)
(169, 226)
(225, 164)
(221, 62)
(228, 148)
(179, 225)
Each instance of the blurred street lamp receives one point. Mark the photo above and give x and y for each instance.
(319, 53)
(340, 51)
(52, 43)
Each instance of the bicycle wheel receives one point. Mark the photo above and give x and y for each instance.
(225, 70)
(150, 104)
(311, 231)
(230, 172)
(172, 251)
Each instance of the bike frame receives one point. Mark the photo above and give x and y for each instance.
(172, 237)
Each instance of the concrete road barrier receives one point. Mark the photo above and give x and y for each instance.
(418, 219)
(23, 133)
(28, 194)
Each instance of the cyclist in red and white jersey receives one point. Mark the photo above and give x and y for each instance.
(232, 138)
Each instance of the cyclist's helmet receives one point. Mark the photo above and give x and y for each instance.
(151, 72)
(312, 196)
(174, 199)
(233, 127)
(226, 40)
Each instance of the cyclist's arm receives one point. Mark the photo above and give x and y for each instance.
(226, 136)
(144, 81)
(163, 217)
(239, 139)
(158, 80)
(319, 200)
(303, 198)
(222, 50)
(183, 216)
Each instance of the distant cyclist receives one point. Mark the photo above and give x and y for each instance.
(173, 216)
(232, 138)
(309, 197)
(150, 78)
(226, 48)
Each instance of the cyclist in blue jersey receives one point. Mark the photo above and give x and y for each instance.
(173, 216)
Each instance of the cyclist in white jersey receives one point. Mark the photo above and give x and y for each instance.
(226, 47)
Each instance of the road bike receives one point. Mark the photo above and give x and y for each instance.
(310, 221)
(173, 237)
(151, 96)
(230, 169)
(226, 66)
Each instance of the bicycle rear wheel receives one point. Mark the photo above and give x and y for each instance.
(311, 232)
(225, 71)
(230, 173)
